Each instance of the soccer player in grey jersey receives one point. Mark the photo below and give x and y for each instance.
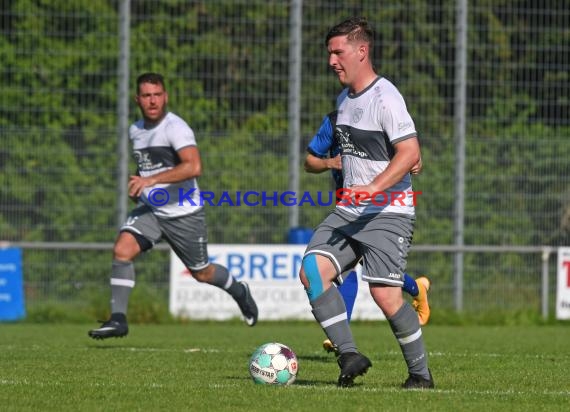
(168, 165)
(376, 218)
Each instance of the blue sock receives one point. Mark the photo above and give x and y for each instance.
(348, 290)
(410, 286)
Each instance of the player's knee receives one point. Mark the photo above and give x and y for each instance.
(303, 278)
(126, 248)
(203, 275)
(312, 277)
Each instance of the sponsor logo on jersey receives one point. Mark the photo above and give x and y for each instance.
(144, 161)
(346, 144)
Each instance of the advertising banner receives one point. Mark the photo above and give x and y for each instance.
(563, 284)
(271, 272)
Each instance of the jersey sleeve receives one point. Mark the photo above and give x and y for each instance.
(342, 95)
(395, 119)
(180, 135)
(322, 141)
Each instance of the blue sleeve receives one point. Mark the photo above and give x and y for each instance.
(341, 97)
(322, 142)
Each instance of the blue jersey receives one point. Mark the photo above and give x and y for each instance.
(323, 144)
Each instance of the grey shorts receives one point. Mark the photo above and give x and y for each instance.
(381, 240)
(186, 235)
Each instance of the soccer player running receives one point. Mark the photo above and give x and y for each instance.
(379, 148)
(324, 154)
(168, 164)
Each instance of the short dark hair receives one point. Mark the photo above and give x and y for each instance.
(354, 28)
(154, 78)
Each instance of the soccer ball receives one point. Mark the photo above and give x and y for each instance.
(273, 363)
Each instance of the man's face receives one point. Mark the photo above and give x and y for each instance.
(344, 58)
(152, 100)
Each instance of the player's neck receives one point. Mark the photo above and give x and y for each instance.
(152, 123)
(363, 82)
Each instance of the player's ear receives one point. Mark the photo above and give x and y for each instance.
(165, 97)
(363, 51)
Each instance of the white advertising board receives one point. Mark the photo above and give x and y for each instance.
(563, 284)
(271, 272)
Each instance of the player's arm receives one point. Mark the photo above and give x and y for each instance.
(407, 154)
(399, 126)
(133, 197)
(317, 160)
(417, 168)
(315, 164)
(190, 166)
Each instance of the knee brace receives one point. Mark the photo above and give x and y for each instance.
(313, 276)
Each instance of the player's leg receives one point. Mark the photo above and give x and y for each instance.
(219, 276)
(188, 238)
(410, 286)
(385, 257)
(138, 234)
(348, 288)
(418, 289)
(322, 263)
(420, 302)
(329, 310)
(406, 328)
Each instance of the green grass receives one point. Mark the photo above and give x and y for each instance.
(202, 366)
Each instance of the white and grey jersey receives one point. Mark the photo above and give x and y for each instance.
(156, 150)
(368, 125)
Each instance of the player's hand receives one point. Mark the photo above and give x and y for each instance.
(334, 163)
(137, 184)
(359, 194)
(417, 168)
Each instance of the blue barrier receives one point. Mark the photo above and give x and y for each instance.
(11, 285)
(299, 235)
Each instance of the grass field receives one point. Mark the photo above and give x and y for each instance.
(202, 366)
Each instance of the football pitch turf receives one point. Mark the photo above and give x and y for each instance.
(203, 366)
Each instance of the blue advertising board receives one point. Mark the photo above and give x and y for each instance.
(11, 285)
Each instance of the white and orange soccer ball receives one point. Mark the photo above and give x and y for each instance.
(273, 363)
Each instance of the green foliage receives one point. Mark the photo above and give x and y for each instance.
(217, 69)
(147, 305)
(513, 211)
(227, 71)
(58, 126)
(55, 312)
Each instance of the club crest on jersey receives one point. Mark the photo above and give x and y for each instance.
(357, 115)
